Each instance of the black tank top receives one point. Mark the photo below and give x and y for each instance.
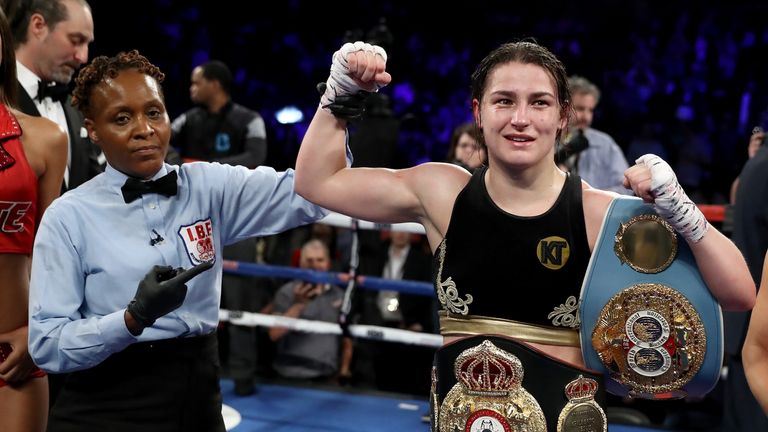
(527, 269)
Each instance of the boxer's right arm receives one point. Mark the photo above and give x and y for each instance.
(322, 175)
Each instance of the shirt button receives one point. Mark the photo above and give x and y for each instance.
(152, 206)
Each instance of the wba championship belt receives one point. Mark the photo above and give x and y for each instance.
(647, 318)
(491, 383)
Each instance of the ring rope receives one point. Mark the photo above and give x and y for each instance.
(340, 279)
(385, 334)
(343, 221)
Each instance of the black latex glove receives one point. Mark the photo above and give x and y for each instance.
(346, 107)
(161, 291)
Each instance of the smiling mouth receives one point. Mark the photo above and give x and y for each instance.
(520, 140)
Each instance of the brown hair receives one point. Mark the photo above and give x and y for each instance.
(20, 12)
(104, 67)
(469, 128)
(8, 64)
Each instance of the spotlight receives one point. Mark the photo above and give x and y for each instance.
(289, 115)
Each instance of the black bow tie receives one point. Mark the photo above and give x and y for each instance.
(57, 92)
(135, 188)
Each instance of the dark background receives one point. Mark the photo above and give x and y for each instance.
(691, 76)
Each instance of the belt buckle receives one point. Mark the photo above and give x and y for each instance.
(489, 394)
(651, 340)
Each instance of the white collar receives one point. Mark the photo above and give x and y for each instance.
(27, 79)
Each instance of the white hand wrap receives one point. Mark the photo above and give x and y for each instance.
(671, 202)
(339, 82)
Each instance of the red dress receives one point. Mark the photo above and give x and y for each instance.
(18, 189)
(18, 200)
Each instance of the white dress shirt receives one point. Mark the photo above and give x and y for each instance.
(48, 108)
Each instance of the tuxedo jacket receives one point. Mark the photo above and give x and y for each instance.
(84, 164)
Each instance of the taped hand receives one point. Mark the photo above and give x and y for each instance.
(653, 180)
(355, 68)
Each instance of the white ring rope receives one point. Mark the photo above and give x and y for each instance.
(343, 221)
(386, 334)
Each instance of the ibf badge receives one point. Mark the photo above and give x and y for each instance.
(198, 240)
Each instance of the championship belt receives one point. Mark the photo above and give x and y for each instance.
(490, 383)
(647, 319)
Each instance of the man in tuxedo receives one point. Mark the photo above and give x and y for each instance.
(51, 40)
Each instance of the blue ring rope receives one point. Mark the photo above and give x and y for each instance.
(367, 282)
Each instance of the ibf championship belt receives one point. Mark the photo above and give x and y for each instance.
(647, 318)
(490, 383)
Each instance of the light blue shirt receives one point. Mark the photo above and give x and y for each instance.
(602, 164)
(92, 250)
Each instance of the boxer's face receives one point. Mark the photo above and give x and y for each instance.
(520, 115)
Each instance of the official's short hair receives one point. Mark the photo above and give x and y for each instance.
(102, 68)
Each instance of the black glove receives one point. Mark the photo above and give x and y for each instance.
(161, 291)
(346, 107)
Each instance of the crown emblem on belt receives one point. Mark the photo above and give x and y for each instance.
(582, 413)
(581, 388)
(489, 394)
(488, 369)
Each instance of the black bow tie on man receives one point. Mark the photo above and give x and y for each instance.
(134, 188)
(56, 91)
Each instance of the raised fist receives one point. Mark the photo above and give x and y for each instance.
(356, 67)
